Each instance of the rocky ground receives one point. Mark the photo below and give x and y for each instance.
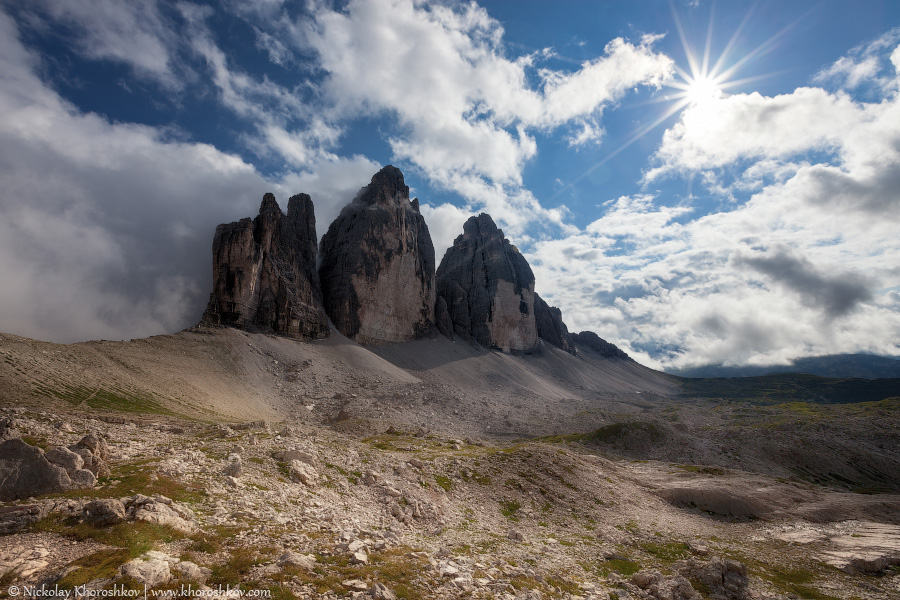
(398, 474)
(319, 512)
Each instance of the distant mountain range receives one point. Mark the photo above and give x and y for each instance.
(865, 366)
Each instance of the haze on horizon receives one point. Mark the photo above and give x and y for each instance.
(697, 182)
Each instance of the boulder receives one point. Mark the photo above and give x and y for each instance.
(25, 471)
(162, 511)
(151, 569)
(304, 473)
(8, 429)
(488, 289)
(65, 458)
(295, 559)
(101, 513)
(660, 587)
(264, 272)
(17, 518)
(725, 579)
(96, 444)
(377, 268)
(186, 570)
(379, 591)
(291, 455)
(94, 452)
(550, 326)
(235, 468)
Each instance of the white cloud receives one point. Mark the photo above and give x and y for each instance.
(331, 183)
(804, 267)
(107, 226)
(135, 33)
(465, 111)
(853, 73)
(865, 64)
(445, 223)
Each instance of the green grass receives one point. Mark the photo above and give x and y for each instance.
(444, 482)
(668, 551)
(622, 566)
(396, 568)
(795, 581)
(135, 477)
(609, 434)
(114, 399)
(510, 508)
(129, 540)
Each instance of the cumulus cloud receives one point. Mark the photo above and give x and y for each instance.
(802, 267)
(466, 111)
(107, 226)
(865, 64)
(837, 293)
(137, 33)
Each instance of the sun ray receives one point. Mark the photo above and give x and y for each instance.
(698, 83)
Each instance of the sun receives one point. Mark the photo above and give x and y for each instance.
(699, 90)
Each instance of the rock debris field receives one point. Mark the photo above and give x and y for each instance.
(226, 463)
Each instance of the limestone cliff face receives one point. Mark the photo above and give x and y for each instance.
(264, 272)
(377, 268)
(550, 326)
(488, 289)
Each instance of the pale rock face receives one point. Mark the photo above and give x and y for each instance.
(264, 272)
(377, 268)
(488, 289)
(510, 328)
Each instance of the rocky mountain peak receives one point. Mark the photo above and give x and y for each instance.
(594, 342)
(486, 289)
(387, 189)
(550, 326)
(269, 205)
(264, 272)
(377, 268)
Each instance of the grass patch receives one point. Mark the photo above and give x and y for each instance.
(510, 508)
(444, 482)
(134, 478)
(36, 442)
(667, 552)
(236, 567)
(115, 399)
(622, 566)
(610, 434)
(137, 537)
(129, 541)
(397, 568)
(103, 564)
(795, 581)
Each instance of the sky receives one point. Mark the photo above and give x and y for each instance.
(697, 182)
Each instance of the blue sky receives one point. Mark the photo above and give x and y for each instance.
(697, 182)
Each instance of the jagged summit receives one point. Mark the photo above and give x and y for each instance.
(488, 289)
(264, 276)
(591, 340)
(387, 189)
(377, 268)
(376, 280)
(550, 326)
